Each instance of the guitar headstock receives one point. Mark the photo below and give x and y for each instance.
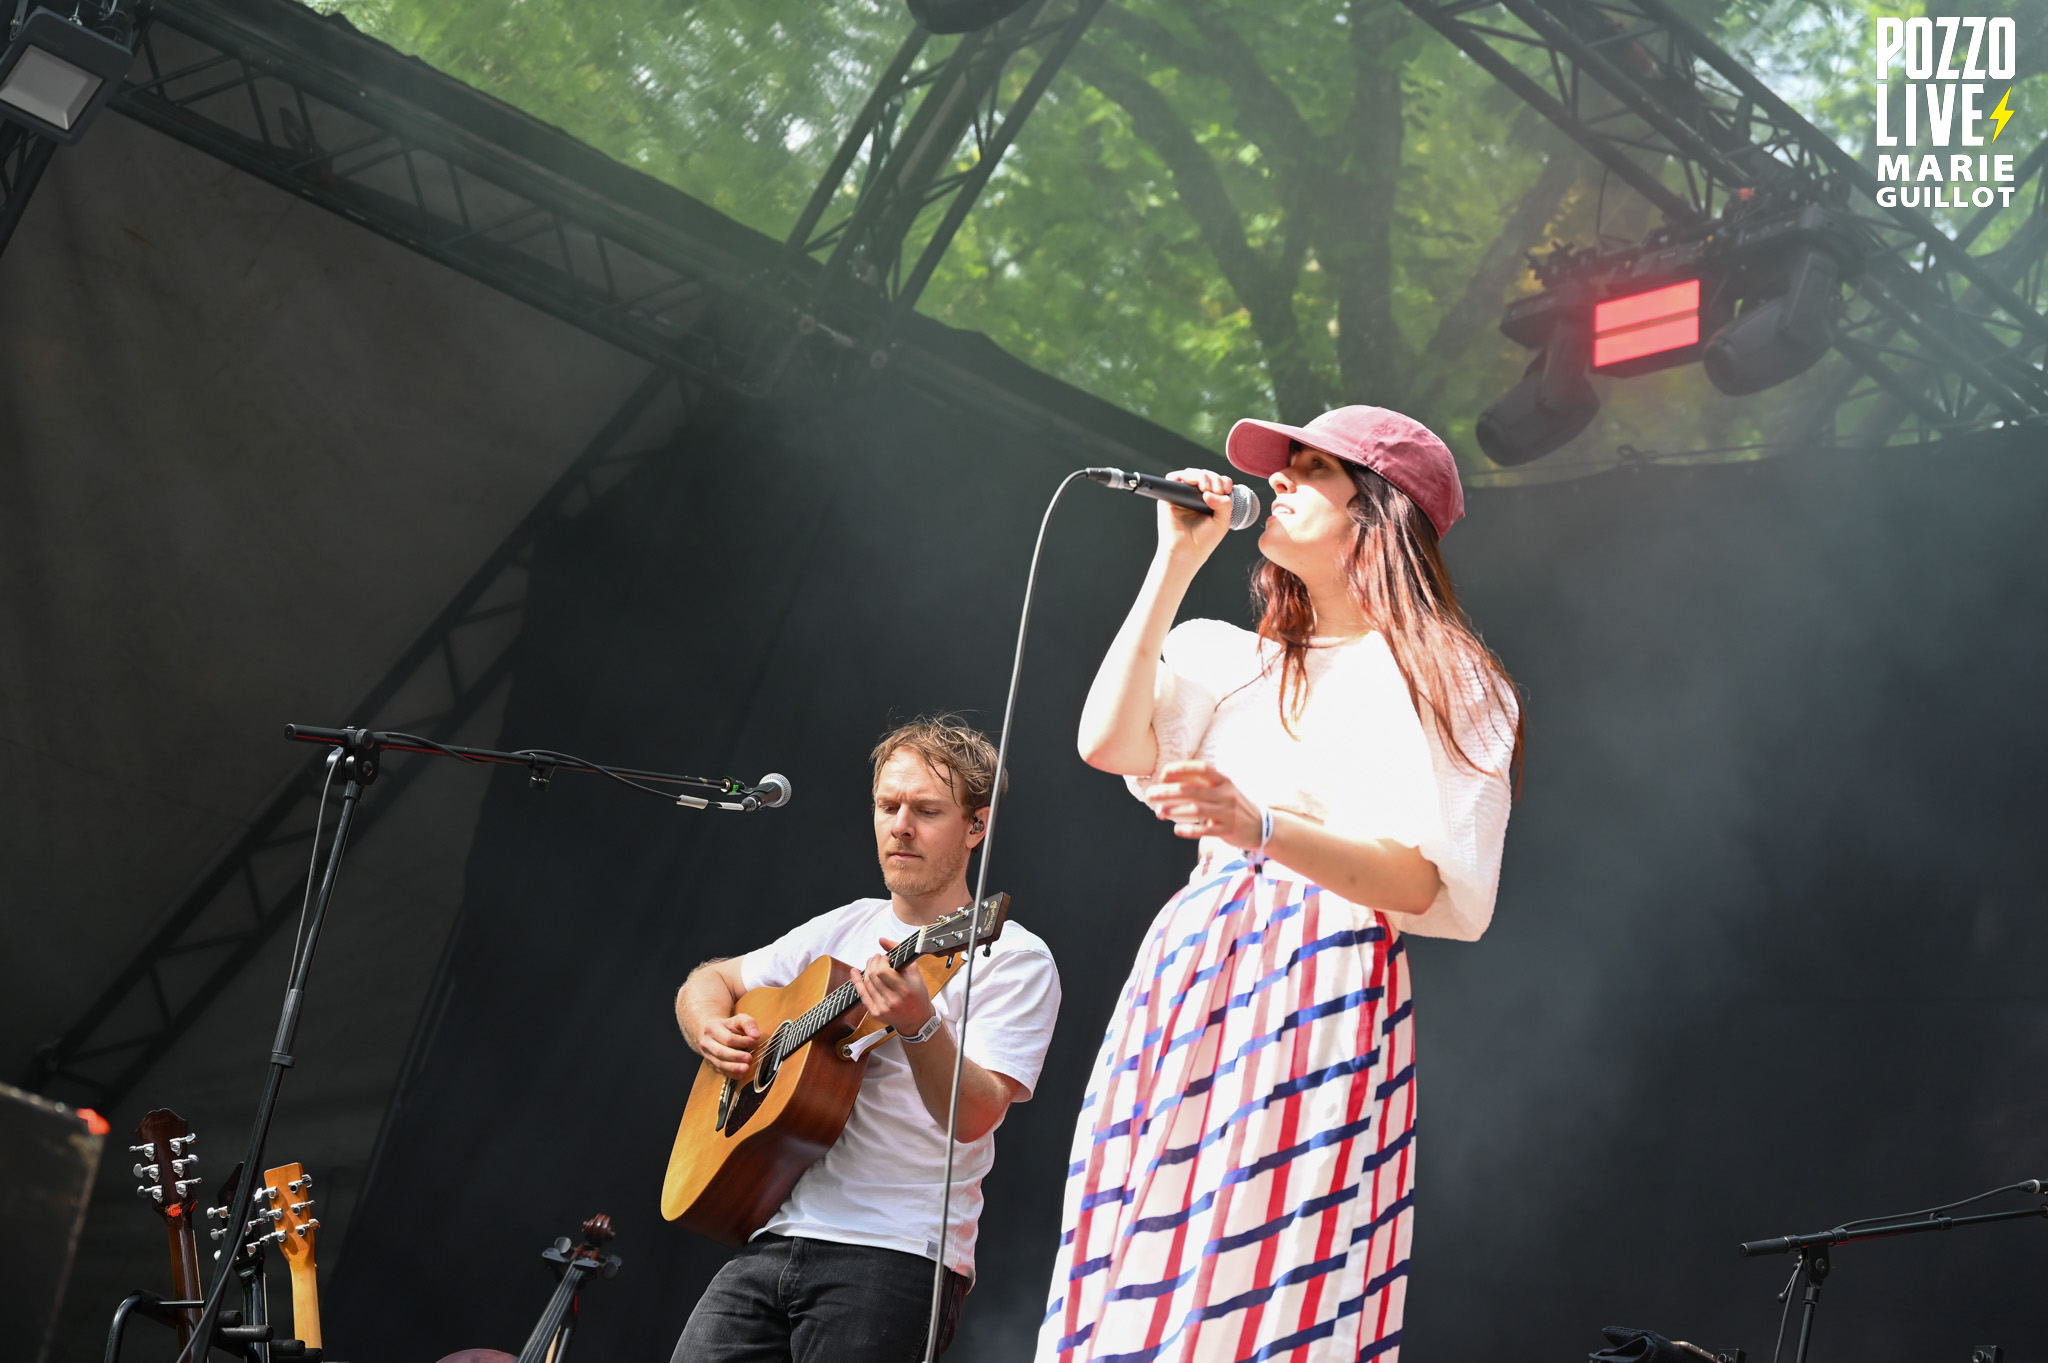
(168, 1167)
(977, 926)
(286, 1201)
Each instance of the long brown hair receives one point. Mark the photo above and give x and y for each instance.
(1397, 577)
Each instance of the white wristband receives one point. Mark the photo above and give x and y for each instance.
(1265, 828)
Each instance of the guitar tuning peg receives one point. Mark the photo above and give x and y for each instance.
(186, 1183)
(149, 1171)
(216, 1233)
(149, 1190)
(308, 1228)
(299, 1208)
(295, 1185)
(143, 1149)
(179, 1166)
(266, 1193)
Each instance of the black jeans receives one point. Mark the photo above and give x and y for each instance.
(793, 1300)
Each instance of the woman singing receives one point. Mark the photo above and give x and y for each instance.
(1243, 1168)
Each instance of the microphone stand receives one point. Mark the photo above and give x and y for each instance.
(356, 753)
(1814, 1262)
(1161, 490)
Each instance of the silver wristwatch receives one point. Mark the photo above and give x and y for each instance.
(926, 1032)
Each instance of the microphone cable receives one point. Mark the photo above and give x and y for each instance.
(931, 1343)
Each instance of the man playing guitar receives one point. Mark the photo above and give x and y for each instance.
(843, 1270)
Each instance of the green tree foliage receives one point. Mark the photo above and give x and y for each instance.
(1221, 208)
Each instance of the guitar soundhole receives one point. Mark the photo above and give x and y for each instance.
(771, 1061)
(739, 1101)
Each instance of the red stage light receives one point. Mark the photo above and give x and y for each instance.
(1646, 323)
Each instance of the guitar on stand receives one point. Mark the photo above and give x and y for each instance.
(169, 1184)
(744, 1143)
(287, 1203)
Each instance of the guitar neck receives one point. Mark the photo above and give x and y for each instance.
(305, 1300)
(835, 1004)
(185, 1284)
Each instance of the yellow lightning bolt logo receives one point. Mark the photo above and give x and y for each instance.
(2001, 113)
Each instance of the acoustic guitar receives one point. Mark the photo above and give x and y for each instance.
(286, 1201)
(743, 1143)
(170, 1185)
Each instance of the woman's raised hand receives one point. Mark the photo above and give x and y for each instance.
(1204, 803)
(1184, 532)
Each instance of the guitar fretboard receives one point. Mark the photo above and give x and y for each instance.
(835, 1004)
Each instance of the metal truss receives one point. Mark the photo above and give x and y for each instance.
(943, 152)
(340, 120)
(256, 886)
(24, 156)
(1692, 130)
(320, 111)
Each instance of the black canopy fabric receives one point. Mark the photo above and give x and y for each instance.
(1761, 959)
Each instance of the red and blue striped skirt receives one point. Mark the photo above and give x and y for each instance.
(1241, 1184)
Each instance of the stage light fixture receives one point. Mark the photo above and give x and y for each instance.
(1786, 324)
(1646, 326)
(57, 72)
(1552, 404)
(961, 16)
(1620, 310)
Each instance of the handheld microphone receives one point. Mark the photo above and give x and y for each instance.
(772, 793)
(1244, 503)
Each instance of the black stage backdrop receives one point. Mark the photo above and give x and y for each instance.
(1768, 952)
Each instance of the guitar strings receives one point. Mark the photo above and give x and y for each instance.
(797, 1034)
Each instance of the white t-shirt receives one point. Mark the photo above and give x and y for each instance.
(880, 1183)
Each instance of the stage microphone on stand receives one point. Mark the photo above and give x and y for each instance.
(1244, 503)
(772, 793)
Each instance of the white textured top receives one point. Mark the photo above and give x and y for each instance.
(1360, 761)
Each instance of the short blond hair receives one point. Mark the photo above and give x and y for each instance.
(950, 747)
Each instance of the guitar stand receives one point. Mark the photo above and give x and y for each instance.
(246, 1333)
(229, 1333)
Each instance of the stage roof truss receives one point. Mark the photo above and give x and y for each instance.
(292, 104)
(256, 886)
(310, 105)
(1692, 130)
(929, 134)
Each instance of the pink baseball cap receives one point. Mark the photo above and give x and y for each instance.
(1398, 448)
